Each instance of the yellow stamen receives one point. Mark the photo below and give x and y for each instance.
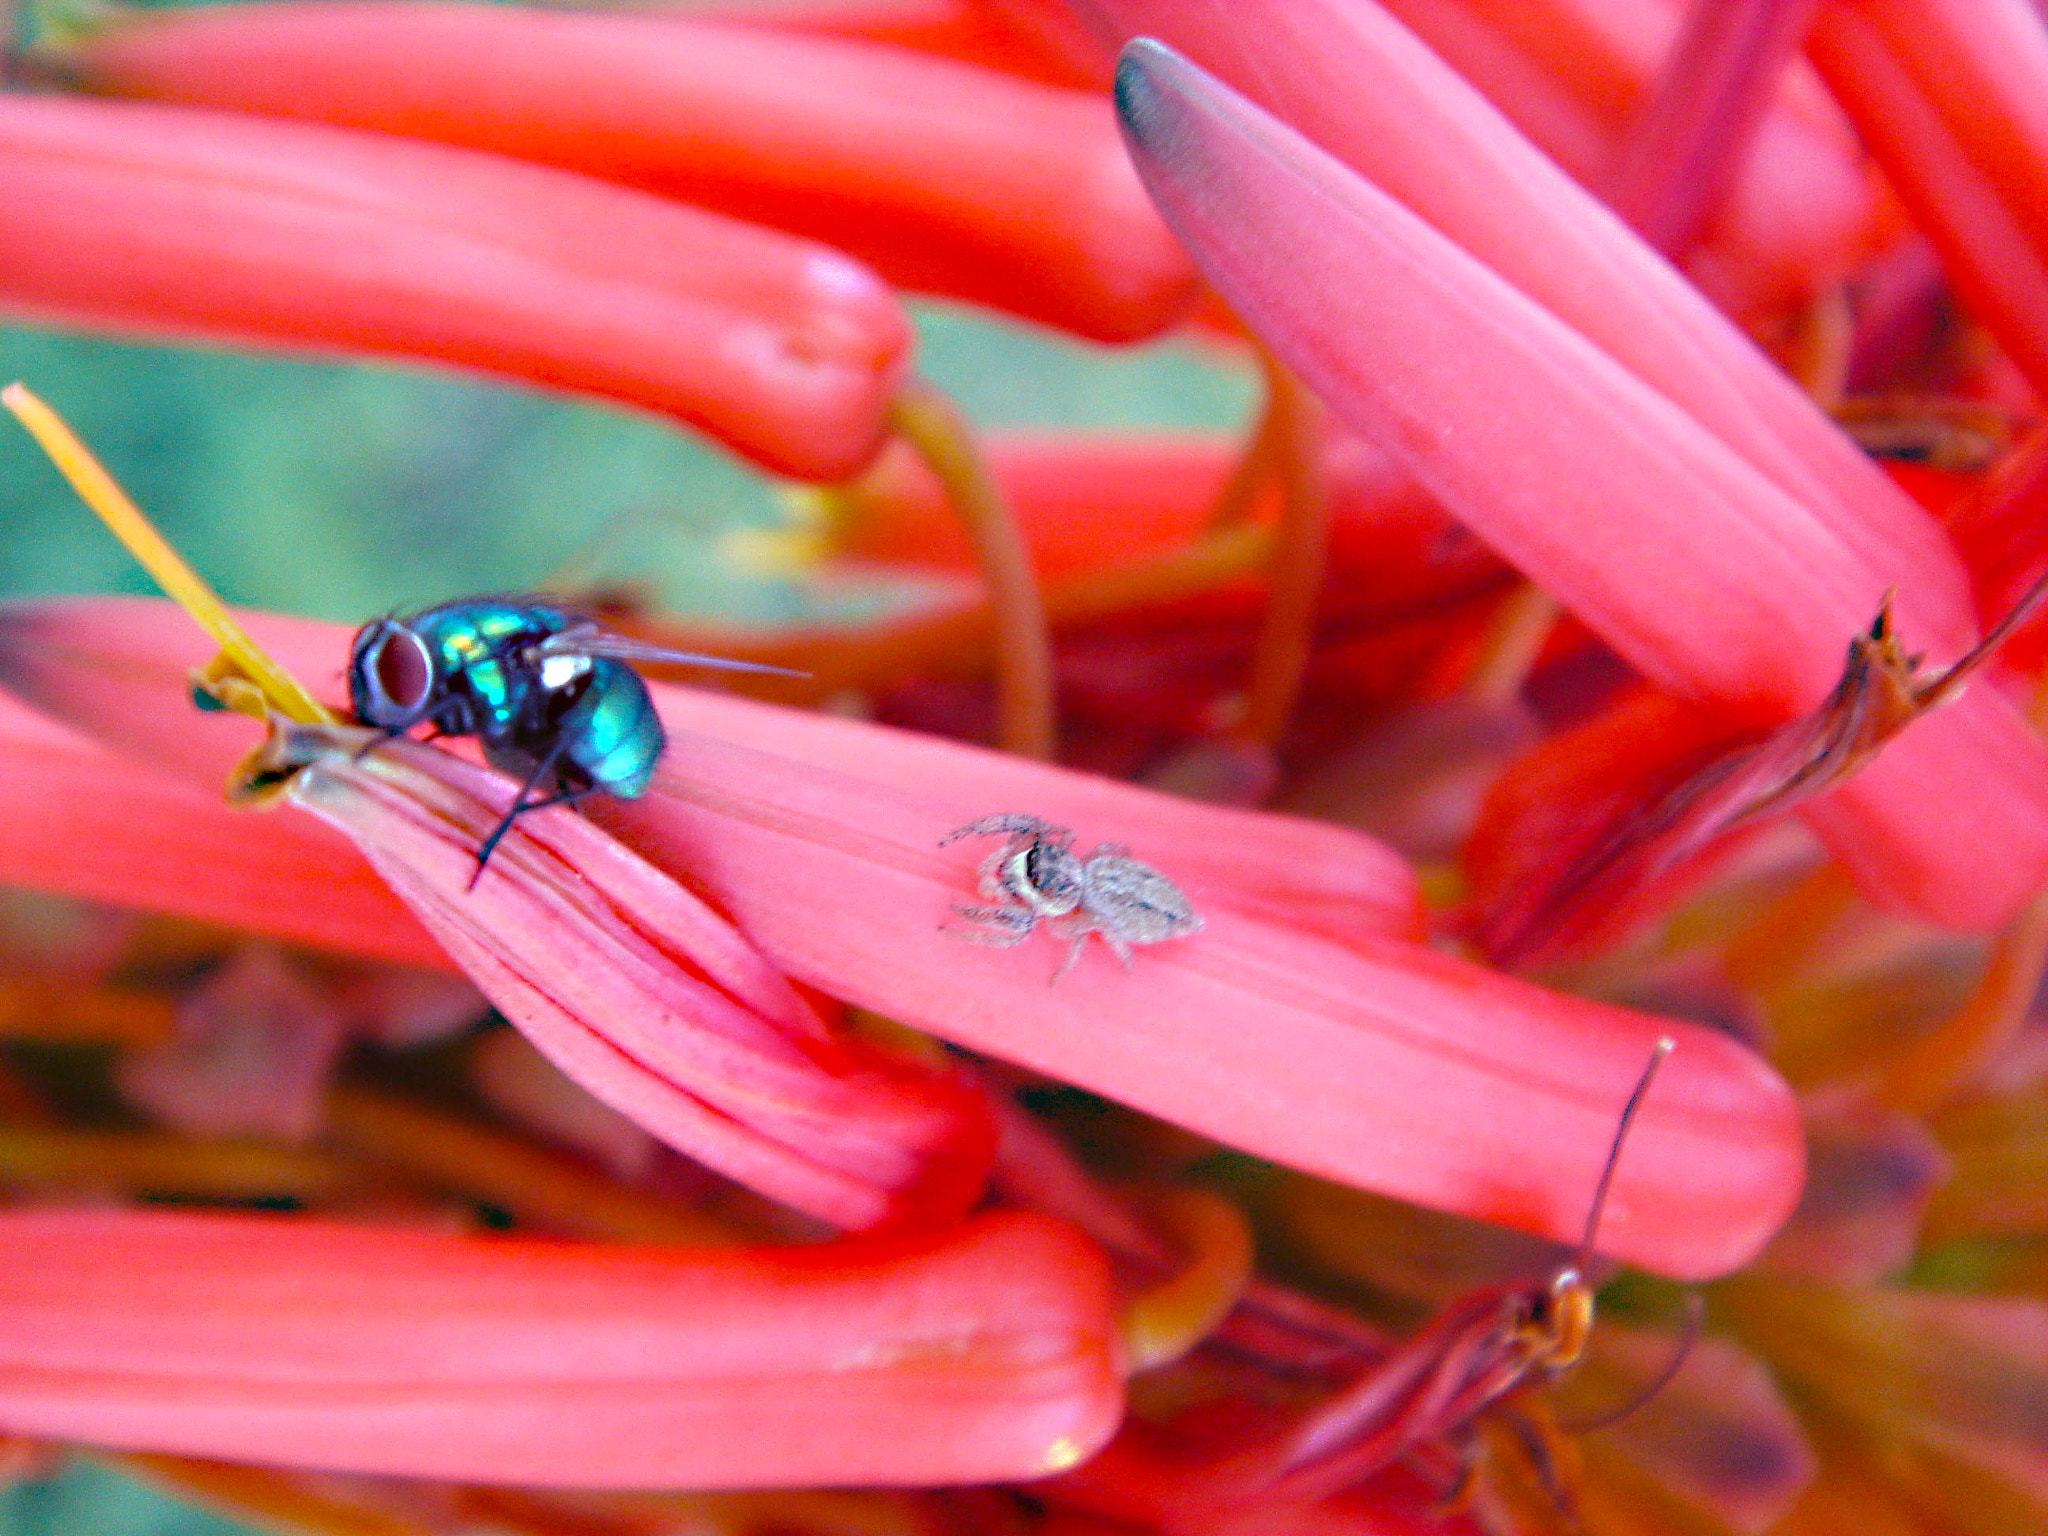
(929, 422)
(1167, 1321)
(279, 690)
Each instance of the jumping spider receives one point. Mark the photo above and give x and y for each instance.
(1036, 877)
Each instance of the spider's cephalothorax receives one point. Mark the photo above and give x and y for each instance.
(1036, 877)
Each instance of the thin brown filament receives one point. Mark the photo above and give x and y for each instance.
(1026, 721)
(1951, 682)
(1663, 1048)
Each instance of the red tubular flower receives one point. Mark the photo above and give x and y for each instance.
(653, 1003)
(1574, 75)
(1692, 133)
(2002, 533)
(1578, 794)
(950, 179)
(1360, 86)
(174, 845)
(972, 31)
(176, 221)
(1375, 1061)
(1598, 486)
(987, 1353)
(1952, 98)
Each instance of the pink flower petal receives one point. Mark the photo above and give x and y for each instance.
(131, 696)
(1709, 578)
(1692, 135)
(1575, 74)
(654, 1003)
(986, 1354)
(1375, 1061)
(1355, 82)
(947, 178)
(82, 821)
(1952, 97)
(178, 221)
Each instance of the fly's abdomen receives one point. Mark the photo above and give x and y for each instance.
(612, 733)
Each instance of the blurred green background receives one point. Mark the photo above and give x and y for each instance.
(341, 491)
(345, 490)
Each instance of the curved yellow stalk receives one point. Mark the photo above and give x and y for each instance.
(240, 656)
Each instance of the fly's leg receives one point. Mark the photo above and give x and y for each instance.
(520, 806)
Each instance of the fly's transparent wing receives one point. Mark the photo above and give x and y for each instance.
(590, 640)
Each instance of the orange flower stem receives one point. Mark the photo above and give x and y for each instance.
(1281, 656)
(958, 639)
(182, 584)
(1239, 497)
(1774, 949)
(154, 1163)
(1818, 353)
(1165, 1322)
(274, 1500)
(74, 1015)
(1951, 1057)
(21, 1104)
(1514, 639)
(533, 1184)
(2037, 703)
(1026, 722)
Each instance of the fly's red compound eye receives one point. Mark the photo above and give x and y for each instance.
(391, 678)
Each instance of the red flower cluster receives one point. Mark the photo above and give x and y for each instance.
(1520, 617)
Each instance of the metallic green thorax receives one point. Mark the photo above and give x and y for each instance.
(476, 647)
